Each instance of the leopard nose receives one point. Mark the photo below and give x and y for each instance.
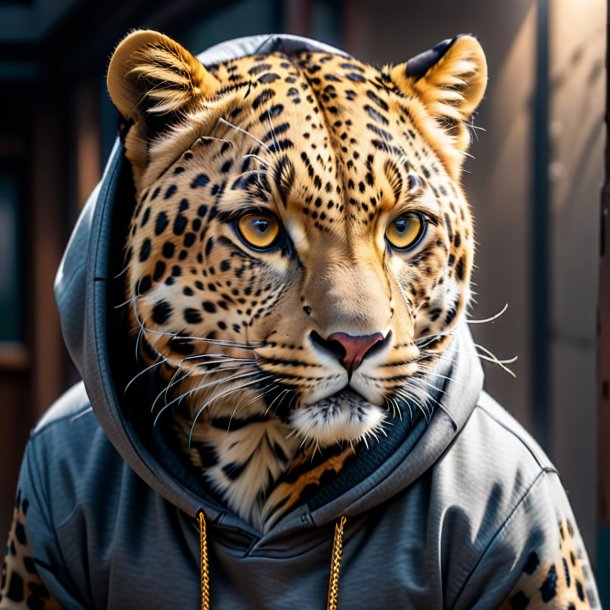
(350, 350)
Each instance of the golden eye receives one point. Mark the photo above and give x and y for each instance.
(258, 230)
(405, 231)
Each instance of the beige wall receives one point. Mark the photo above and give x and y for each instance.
(500, 182)
(577, 71)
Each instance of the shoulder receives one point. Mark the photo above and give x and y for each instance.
(492, 467)
(492, 464)
(74, 402)
(494, 444)
(69, 431)
(495, 488)
(520, 515)
(493, 431)
(69, 453)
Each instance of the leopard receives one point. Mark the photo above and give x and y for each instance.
(298, 258)
(299, 252)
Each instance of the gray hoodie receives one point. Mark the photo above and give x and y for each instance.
(461, 511)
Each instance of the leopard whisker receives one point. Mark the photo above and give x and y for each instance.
(225, 393)
(488, 356)
(278, 397)
(244, 132)
(198, 389)
(142, 372)
(214, 355)
(219, 342)
(427, 396)
(124, 303)
(410, 398)
(218, 396)
(137, 346)
(121, 273)
(166, 389)
(218, 363)
(220, 355)
(396, 412)
(210, 367)
(260, 395)
(491, 318)
(447, 377)
(140, 327)
(207, 384)
(409, 394)
(492, 355)
(233, 411)
(425, 341)
(431, 385)
(249, 172)
(407, 404)
(257, 158)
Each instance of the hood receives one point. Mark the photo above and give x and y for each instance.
(83, 287)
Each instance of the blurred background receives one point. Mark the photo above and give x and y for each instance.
(535, 182)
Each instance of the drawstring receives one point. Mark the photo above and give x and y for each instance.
(204, 566)
(335, 564)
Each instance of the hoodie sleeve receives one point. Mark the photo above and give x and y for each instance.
(34, 575)
(536, 560)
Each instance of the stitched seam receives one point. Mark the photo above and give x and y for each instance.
(542, 465)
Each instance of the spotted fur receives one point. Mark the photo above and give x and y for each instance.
(560, 582)
(334, 149)
(21, 587)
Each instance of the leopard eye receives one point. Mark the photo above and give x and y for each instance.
(406, 231)
(258, 230)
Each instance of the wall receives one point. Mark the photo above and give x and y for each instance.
(577, 139)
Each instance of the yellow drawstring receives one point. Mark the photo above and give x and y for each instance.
(335, 566)
(204, 566)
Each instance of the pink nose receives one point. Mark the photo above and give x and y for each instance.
(355, 348)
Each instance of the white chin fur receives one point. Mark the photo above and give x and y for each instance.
(343, 417)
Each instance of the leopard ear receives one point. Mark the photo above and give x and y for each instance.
(152, 81)
(450, 81)
(151, 74)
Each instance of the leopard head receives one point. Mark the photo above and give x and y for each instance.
(300, 246)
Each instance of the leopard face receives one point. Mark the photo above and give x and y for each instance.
(301, 247)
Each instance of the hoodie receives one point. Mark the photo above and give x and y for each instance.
(463, 510)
